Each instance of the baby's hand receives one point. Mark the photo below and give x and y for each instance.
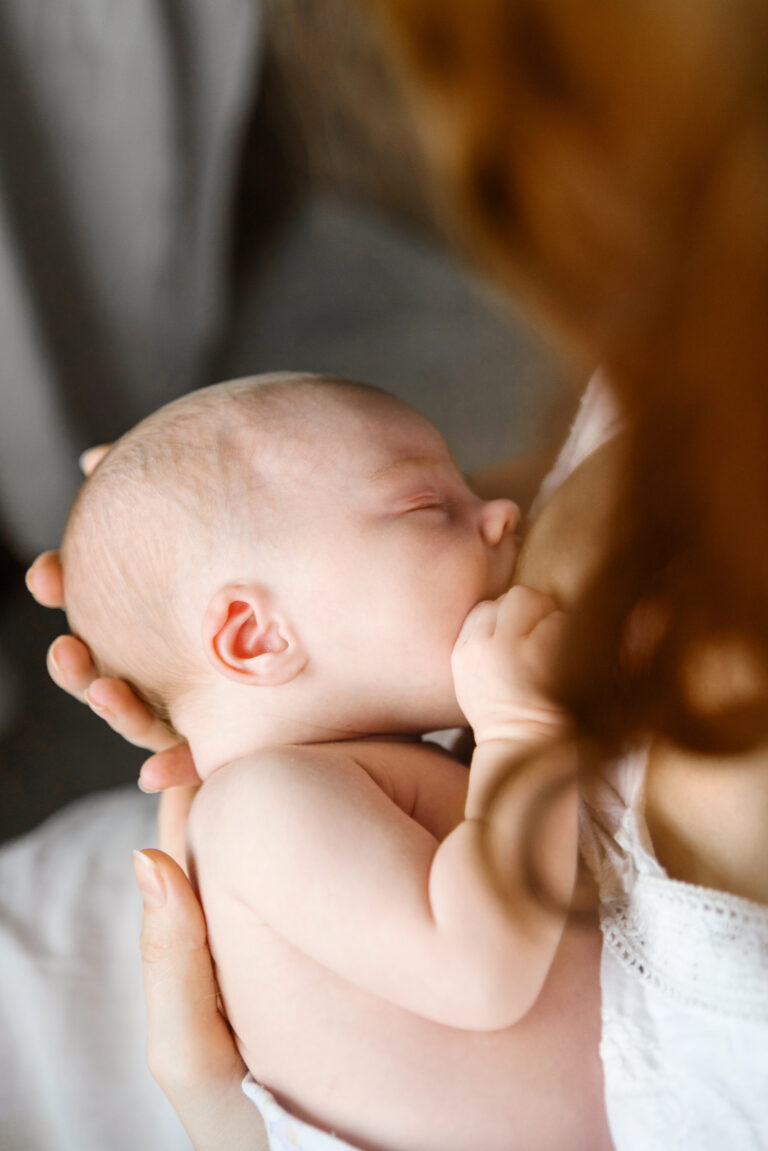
(502, 666)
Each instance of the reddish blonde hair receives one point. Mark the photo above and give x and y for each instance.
(608, 160)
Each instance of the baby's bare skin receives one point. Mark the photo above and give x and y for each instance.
(379, 1076)
(363, 1062)
(353, 1062)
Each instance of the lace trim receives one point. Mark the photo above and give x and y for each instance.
(701, 947)
(597, 420)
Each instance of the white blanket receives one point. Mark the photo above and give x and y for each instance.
(73, 1073)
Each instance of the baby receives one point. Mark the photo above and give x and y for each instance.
(294, 574)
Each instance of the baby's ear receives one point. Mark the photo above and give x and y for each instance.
(247, 640)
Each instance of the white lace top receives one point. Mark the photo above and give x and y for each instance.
(684, 970)
(684, 980)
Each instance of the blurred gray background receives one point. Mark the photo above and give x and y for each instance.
(251, 198)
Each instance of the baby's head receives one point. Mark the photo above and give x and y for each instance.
(302, 536)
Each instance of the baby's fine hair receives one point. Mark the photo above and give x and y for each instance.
(159, 509)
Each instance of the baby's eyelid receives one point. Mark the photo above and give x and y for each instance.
(428, 505)
(425, 502)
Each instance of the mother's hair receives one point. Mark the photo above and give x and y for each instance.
(609, 160)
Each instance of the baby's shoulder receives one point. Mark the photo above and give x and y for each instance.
(269, 768)
(269, 776)
(421, 779)
(253, 796)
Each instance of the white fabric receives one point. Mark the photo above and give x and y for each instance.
(684, 981)
(596, 421)
(285, 1132)
(73, 1074)
(684, 970)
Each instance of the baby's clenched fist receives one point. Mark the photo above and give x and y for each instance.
(503, 663)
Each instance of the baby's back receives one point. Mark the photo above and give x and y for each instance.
(355, 1063)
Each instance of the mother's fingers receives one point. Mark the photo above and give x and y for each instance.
(172, 815)
(92, 457)
(70, 665)
(190, 1048)
(44, 580)
(172, 768)
(115, 702)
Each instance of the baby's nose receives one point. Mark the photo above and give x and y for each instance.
(498, 519)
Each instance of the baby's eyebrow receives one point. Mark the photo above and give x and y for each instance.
(402, 467)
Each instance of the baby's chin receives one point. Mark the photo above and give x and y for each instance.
(445, 718)
(428, 720)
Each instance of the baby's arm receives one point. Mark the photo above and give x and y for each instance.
(308, 840)
(522, 795)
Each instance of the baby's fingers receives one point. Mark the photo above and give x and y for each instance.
(522, 609)
(549, 632)
(479, 624)
(114, 701)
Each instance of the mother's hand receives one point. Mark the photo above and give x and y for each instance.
(190, 1049)
(71, 667)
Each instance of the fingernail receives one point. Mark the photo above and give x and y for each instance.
(65, 664)
(147, 788)
(27, 575)
(93, 703)
(54, 657)
(82, 460)
(149, 880)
